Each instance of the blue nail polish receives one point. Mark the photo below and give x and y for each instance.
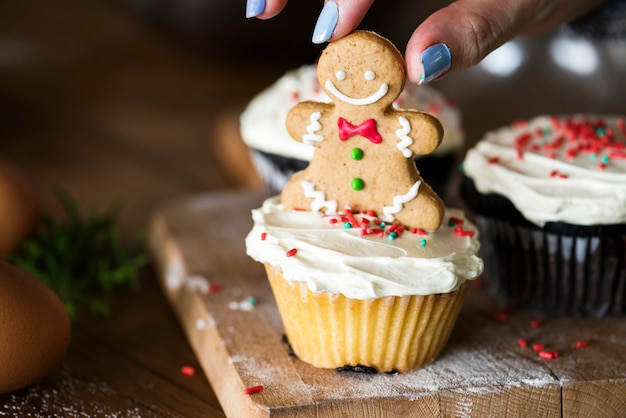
(436, 61)
(255, 7)
(326, 23)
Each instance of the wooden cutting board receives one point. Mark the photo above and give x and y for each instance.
(227, 310)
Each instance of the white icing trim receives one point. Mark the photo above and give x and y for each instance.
(319, 199)
(405, 140)
(311, 137)
(398, 201)
(357, 102)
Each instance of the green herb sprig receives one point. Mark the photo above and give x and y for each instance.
(82, 258)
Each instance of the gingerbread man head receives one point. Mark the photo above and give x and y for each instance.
(364, 146)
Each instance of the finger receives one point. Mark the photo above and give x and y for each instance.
(264, 9)
(338, 18)
(462, 34)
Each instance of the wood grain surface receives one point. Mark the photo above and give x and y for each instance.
(198, 245)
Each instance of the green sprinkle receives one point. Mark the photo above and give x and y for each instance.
(393, 236)
(356, 153)
(252, 301)
(382, 224)
(605, 159)
(593, 156)
(423, 243)
(462, 168)
(357, 184)
(347, 225)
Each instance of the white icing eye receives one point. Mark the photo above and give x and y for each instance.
(341, 75)
(369, 75)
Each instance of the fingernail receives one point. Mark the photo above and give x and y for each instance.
(255, 7)
(436, 61)
(326, 23)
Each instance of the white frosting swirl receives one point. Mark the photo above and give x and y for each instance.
(332, 258)
(263, 128)
(579, 179)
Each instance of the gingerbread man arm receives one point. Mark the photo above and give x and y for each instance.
(418, 133)
(304, 121)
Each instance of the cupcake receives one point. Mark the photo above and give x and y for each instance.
(549, 195)
(368, 268)
(276, 156)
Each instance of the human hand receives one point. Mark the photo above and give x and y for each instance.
(453, 38)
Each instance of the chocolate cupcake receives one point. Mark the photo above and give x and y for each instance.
(549, 196)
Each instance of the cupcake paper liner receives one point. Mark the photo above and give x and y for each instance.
(395, 333)
(559, 269)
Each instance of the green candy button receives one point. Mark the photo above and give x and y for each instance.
(357, 184)
(356, 153)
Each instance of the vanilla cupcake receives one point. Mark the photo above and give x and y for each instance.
(549, 196)
(357, 296)
(276, 156)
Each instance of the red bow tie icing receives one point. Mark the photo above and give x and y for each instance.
(367, 129)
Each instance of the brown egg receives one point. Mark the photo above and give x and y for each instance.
(34, 329)
(19, 208)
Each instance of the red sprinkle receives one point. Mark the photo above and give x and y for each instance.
(522, 342)
(493, 160)
(548, 355)
(582, 344)
(535, 323)
(500, 316)
(188, 370)
(538, 347)
(214, 288)
(292, 252)
(419, 231)
(253, 389)
(463, 233)
(263, 236)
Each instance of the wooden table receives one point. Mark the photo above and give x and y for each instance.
(114, 109)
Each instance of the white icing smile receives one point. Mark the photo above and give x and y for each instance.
(382, 90)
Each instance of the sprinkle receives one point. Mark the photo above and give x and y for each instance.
(582, 343)
(419, 231)
(522, 342)
(263, 236)
(214, 288)
(253, 389)
(333, 221)
(188, 370)
(455, 221)
(292, 252)
(458, 230)
(538, 347)
(347, 225)
(423, 243)
(500, 316)
(351, 219)
(493, 160)
(393, 235)
(601, 166)
(535, 323)
(252, 301)
(548, 355)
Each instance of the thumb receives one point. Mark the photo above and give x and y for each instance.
(462, 34)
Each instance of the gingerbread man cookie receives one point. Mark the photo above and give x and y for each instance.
(364, 146)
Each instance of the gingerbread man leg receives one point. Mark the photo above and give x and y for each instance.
(301, 193)
(425, 211)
